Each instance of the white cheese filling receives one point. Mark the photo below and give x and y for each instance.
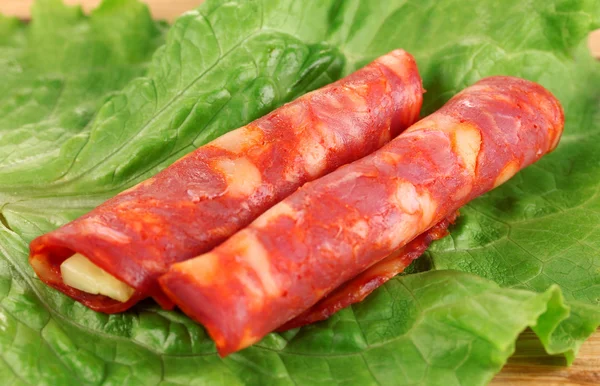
(80, 273)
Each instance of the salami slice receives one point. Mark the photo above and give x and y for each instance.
(121, 248)
(336, 227)
(358, 288)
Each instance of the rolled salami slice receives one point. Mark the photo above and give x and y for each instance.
(358, 288)
(336, 227)
(112, 257)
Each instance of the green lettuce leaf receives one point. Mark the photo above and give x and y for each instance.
(220, 68)
(55, 74)
(230, 62)
(57, 71)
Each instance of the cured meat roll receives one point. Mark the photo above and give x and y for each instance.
(358, 288)
(111, 258)
(335, 228)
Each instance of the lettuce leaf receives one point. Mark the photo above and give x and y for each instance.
(205, 81)
(56, 73)
(69, 140)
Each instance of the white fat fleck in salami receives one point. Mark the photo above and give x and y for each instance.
(507, 172)
(240, 140)
(315, 157)
(405, 197)
(353, 98)
(205, 268)
(465, 138)
(428, 209)
(443, 123)
(360, 228)
(96, 227)
(463, 192)
(332, 138)
(401, 231)
(277, 212)
(467, 143)
(258, 259)
(241, 175)
(418, 208)
(298, 115)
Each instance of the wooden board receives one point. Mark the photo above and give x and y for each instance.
(161, 9)
(529, 365)
(594, 43)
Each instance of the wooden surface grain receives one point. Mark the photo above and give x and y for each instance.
(594, 43)
(161, 9)
(529, 365)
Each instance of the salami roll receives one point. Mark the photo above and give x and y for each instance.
(359, 287)
(111, 258)
(338, 226)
